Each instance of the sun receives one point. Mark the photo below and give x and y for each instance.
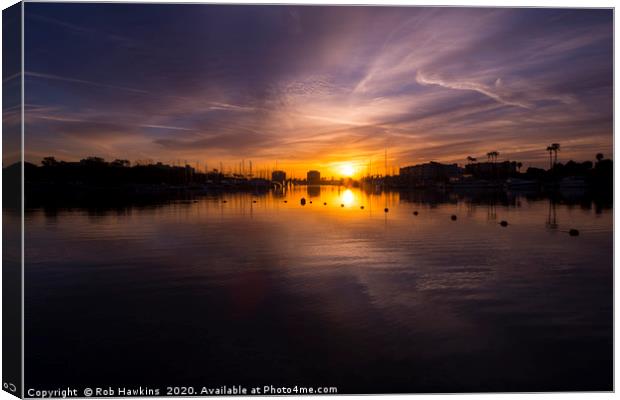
(347, 170)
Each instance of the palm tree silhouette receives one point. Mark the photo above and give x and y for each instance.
(492, 156)
(599, 157)
(555, 147)
(550, 150)
(471, 159)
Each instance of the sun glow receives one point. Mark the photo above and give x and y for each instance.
(347, 170)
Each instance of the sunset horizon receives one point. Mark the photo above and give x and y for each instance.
(293, 86)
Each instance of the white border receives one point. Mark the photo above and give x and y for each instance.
(472, 3)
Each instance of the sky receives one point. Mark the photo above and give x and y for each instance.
(316, 87)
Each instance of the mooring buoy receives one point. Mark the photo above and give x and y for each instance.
(361, 207)
(303, 201)
(453, 217)
(573, 232)
(324, 204)
(386, 209)
(504, 223)
(415, 213)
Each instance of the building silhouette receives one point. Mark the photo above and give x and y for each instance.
(313, 177)
(429, 173)
(492, 170)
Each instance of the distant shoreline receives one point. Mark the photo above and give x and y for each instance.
(93, 181)
(87, 196)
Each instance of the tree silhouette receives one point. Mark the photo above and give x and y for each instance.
(550, 150)
(555, 147)
(492, 156)
(49, 162)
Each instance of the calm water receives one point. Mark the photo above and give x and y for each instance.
(205, 292)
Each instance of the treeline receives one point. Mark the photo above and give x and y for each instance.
(97, 171)
(599, 174)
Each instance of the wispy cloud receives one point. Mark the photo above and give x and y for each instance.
(305, 85)
(77, 28)
(82, 82)
(488, 91)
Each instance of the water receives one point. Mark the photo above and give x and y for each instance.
(206, 292)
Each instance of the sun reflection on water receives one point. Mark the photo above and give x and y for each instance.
(347, 197)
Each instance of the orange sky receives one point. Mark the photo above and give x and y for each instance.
(316, 87)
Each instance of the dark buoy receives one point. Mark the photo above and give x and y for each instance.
(573, 232)
(415, 213)
(310, 201)
(286, 201)
(254, 201)
(342, 205)
(386, 209)
(324, 204)
(303, 201)
(361, 207)
(504, 223)
(453, 218)
(224, 201)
